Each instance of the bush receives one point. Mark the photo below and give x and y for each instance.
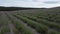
(39, 27)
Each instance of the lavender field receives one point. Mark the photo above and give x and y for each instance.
(34, 21)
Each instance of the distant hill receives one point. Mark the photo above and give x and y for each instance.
(24, 8)
(15, 8)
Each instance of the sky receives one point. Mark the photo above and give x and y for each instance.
(30, 3)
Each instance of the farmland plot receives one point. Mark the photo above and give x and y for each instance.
(25, 22)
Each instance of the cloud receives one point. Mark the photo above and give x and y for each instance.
(30, 3)
(51, 2)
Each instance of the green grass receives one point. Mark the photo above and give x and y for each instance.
(4, 30)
